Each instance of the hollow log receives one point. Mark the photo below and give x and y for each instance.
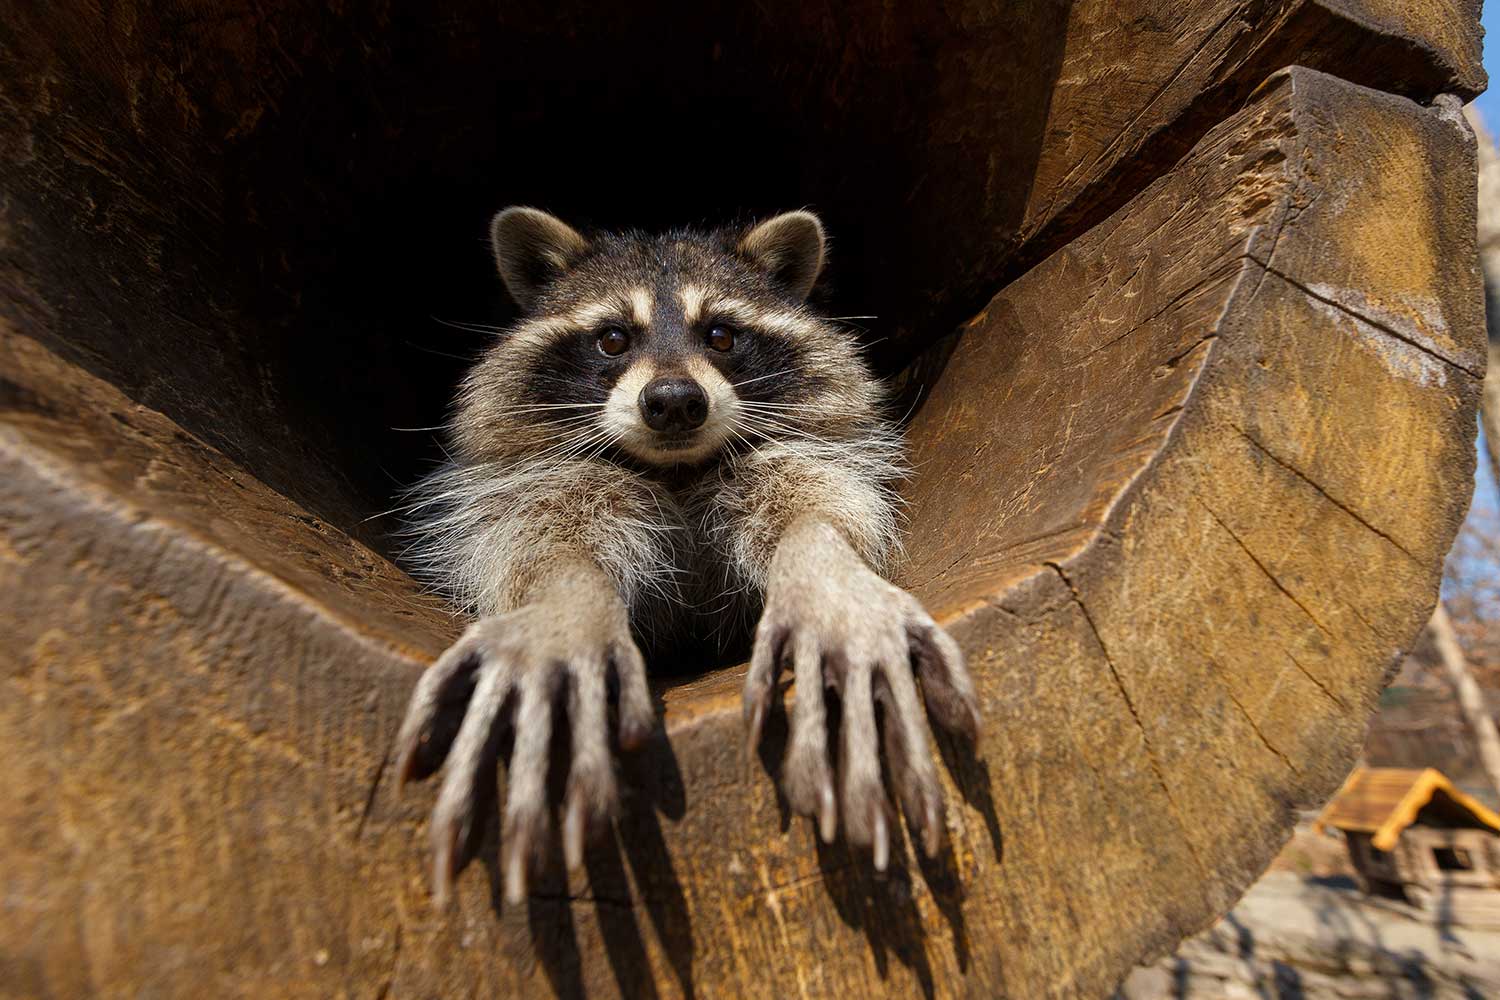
(1185, 477)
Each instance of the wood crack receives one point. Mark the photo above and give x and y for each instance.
(1322, 492)
(1292, 214)
(1264, 569)
(1213, 276)
(385, 987)
(1151, 756)
(1319, 684)
(1251, 719)
(1161, 88)
(1382, 327)
(369, 806)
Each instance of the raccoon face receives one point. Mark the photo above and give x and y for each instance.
(666, 348)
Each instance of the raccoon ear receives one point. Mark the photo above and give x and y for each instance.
(790, 246)
(532, 250)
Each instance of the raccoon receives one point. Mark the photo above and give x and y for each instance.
(670, 444)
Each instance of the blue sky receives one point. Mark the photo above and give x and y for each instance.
(1485, 511)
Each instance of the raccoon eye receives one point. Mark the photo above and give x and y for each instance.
(721, 337)
(614, 341)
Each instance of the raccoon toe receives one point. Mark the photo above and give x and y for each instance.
(590, 802)
(890, 665)
(760, 681)
(442, 695)
(472, 749)
(946, 685)
(807, 778)
(909, 763)
(637, 714)
(506, 674)
(863, 802)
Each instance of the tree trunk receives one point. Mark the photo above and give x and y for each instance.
(1490, 408)
(1488, 242)
(1471, 700)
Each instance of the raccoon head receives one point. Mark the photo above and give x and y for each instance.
(666, 348)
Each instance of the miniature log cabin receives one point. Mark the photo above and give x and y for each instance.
(1187, 291)
(1411, 833)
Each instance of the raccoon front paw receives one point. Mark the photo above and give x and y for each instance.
(511, 670)
(846, 629)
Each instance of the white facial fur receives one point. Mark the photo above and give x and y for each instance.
(622, 415)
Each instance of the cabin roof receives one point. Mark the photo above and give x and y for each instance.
(1384, 801)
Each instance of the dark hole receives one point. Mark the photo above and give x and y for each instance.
(301, 266)
(1452, 859)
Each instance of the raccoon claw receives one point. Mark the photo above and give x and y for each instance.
(847, 630)
(761, 678)
(828, 815)
(881, 840)
(516, 665)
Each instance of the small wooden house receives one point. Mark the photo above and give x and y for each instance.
(1411, 833)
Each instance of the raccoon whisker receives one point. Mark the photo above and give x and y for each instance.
(764, 424)
(587, 445)
(790, 413)
(555, 423)
(768, 406)
(418, 430)
(775, 431)
(748, 444)
(577, 441)
(561, 452)
(567, 420)
(468, 358)
(759, 378)
(756, 412)
(601, 447)
(575, 454)
(565, 431)
(468, 326)
(550, 406)
(781, 426)
(777, 409)
(901, 421)
(772, 403)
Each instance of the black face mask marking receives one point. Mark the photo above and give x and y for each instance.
(572, 370)
(762, 367)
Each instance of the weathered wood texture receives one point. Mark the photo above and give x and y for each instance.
(248, 218)
(1185, 489)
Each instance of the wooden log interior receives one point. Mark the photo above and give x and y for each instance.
(1186, 477)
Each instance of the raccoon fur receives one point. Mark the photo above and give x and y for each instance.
(668, 446)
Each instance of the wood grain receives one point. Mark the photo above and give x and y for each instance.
(1183, 494)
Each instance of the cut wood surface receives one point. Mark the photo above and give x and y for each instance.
(1183, 494)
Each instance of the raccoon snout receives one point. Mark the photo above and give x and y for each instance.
(674, 404)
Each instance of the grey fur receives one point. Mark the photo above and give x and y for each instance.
(573, 538)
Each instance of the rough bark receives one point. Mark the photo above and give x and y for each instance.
(1152, 505)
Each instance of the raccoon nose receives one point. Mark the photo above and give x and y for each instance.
(674, 404)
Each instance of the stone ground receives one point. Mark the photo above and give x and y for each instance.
(1297, 936)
